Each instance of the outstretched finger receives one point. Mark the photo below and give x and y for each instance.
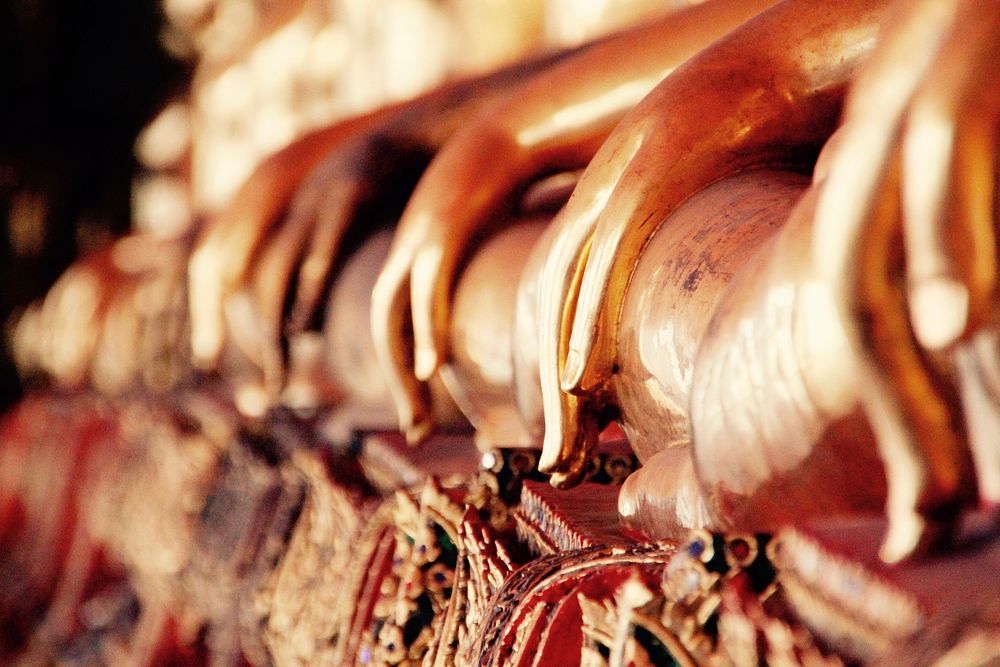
(222, 256)
(114, 366)
(456, 199)
(335, 217)
(858, 227)
(71, 318)
(392, 336)
(272, 277)
(226, 247)
(365, 185)
(949, 174)
(569, 437)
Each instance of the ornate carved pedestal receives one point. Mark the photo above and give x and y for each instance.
(184, 536)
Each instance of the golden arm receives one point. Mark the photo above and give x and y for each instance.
(770, 93)
(554, 123)
(297, 207)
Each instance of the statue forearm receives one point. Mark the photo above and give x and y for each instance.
(769, 93)
(555, 122)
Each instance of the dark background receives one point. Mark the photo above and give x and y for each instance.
(78, 80)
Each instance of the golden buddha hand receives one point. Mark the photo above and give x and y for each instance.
(231, 239)
(556, 122)
(768, 94)
(277, 242)
(295, 259)
(906, 236)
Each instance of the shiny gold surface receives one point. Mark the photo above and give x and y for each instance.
(769, 93)
(556, 122)
(481, 375)
(677, 283)
(777, 431)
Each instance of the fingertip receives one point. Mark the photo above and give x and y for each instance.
(587, 373)
(561, 454)
(418, 431)
(939, 311)
(551, 450)
(906, 533)
(572, 371)
(568, 478)
(205, 349)
(426, 362)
